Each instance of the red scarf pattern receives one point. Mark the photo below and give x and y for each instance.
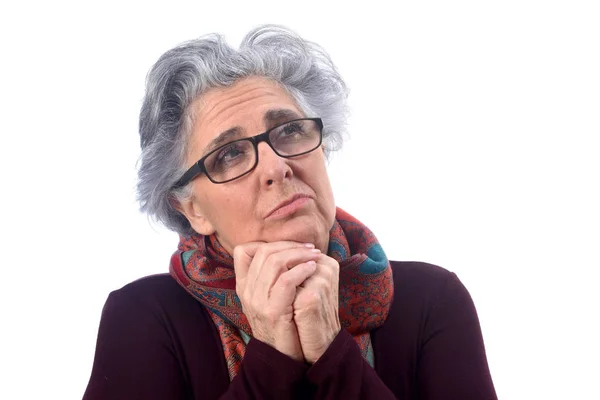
(205, 270)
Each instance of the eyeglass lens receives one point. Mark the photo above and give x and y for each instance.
(238, 157)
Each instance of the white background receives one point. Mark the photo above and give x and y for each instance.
(474, 145)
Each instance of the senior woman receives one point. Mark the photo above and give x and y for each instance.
(273, 292)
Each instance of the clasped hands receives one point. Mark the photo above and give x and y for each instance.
(289, 294)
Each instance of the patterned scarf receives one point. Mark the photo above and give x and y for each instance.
(205, 270)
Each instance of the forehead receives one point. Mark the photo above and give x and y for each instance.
(249, 105)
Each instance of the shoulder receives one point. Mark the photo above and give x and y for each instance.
(426, 298)
(155, 298)
(161, 311)
(420, 278)
(425, 292)
(150, 288)
(419, 269)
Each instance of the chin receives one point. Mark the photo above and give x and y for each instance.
(304, 228)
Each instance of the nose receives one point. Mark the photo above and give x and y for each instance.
(272, 168)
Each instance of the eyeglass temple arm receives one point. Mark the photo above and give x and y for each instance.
(190, 174)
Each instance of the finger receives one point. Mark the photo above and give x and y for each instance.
(242, 257)
(284, 289)
(279, 263)
(325, 279)
(328, 261)
(314, 294)
(267, 249)
(328, 268)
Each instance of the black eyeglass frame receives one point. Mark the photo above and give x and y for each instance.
(199, 168)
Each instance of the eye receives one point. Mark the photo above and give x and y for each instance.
(292, 130)
(228, 155)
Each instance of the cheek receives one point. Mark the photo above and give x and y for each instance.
(231, 208)
(325, 192)
(218, 205)
(323, 179)
(330, 198)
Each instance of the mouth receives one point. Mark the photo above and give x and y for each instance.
(289, 206)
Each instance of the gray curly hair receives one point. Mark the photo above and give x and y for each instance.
(184, 73)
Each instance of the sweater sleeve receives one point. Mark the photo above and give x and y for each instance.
(343, 373)
(266, 374)
(136, 359)
(451, 357)
(453, 363)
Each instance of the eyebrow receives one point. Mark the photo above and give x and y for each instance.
(279, 116)
(223, 138)
(271, 118)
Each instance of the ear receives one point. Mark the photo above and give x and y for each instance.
(193, 212)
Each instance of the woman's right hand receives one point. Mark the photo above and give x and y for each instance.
(267, 277)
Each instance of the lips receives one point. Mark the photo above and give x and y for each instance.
(289, 206)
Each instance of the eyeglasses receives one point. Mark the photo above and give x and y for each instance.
(236, 159)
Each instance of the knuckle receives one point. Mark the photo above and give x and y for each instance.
(281, 268)
(274, 258)
(261, 253)
(270, 314)
(327, 273)
(237, 252)
(277, 263)
(285, 280)
(334, 267)
(321, 282)
(310, 298)
(330, 262)
(253, 308)
(247, 297)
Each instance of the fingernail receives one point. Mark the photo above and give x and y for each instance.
(316, 250)
(309, 245)
(311, 263)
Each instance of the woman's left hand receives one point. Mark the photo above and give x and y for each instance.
(316, 309)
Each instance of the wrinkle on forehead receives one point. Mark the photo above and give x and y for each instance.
(209, 109)
(213, 110)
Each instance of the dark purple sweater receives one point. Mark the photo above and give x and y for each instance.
(157, 342)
